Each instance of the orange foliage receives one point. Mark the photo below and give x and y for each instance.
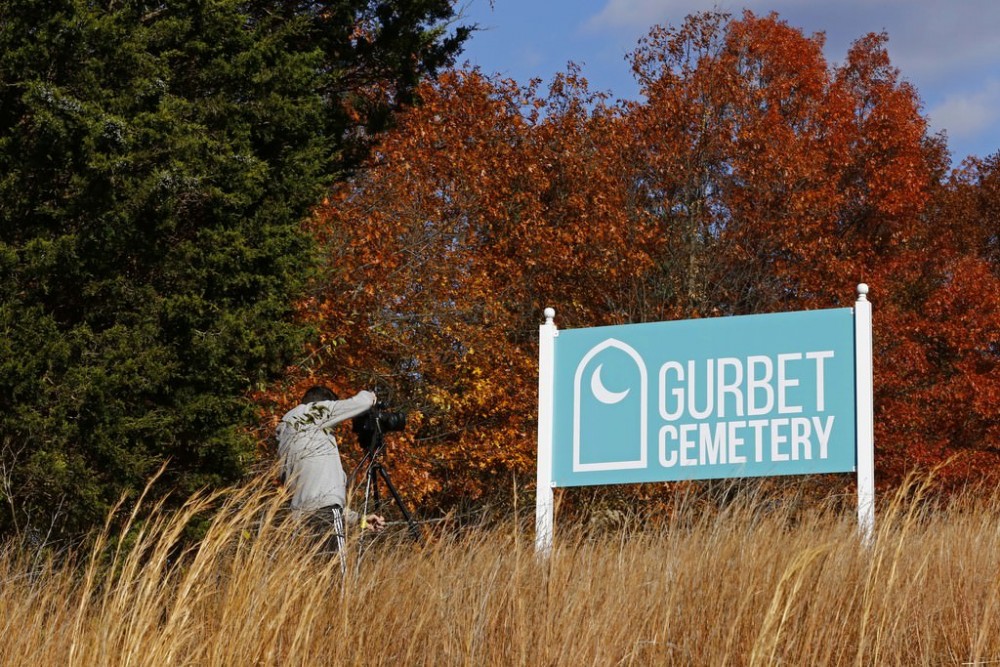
(753, 177)
(469, 220)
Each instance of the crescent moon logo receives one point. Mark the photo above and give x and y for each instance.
(602, 393)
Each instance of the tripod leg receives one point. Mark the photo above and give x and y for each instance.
(363, 464)
(414, 529)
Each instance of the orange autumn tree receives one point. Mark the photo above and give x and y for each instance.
(779, 182)
(948, 394)
(782, 182)
(486, 204)
(752, 177)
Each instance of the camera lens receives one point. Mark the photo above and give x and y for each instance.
(392, 421)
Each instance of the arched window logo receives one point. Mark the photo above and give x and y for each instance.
(610, 409)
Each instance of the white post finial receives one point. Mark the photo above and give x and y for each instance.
(550, 315)
(862, 292)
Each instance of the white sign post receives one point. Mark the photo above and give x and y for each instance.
(865, 424)
(745, 396)
(546, 408)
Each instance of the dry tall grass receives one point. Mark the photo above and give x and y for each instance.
(736, 586)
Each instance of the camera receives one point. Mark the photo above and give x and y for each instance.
(378, 420)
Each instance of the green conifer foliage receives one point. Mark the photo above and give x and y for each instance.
(156, 162)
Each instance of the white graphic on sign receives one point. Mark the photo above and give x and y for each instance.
(601, 392)
(628, 440)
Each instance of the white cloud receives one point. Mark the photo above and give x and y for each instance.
(530, 57)
(928, 39)
(968, 115)
(947, 49)
(642, 13)
(934, 42)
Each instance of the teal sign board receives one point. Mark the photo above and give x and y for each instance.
(749, 396)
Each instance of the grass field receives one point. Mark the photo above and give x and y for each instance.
(739, 585)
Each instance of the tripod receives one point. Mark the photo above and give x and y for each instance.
(375, 471)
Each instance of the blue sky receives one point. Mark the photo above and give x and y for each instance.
(948, 50)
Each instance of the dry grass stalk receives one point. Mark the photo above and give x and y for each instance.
(753, 583)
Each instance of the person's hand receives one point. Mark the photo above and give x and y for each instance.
(374, 523)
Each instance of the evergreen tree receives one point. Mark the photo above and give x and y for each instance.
(156, 162)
